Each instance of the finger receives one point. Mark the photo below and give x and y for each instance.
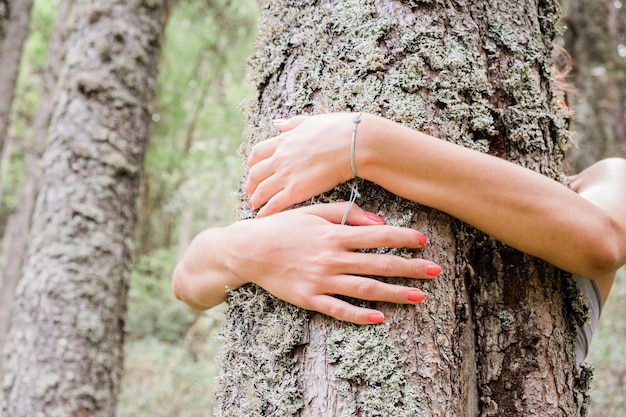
(257, 174)
(382, 237)
(334, 212)
(370, 289)
(265, 191)
(285, 125)
(386, 265)
(262, 150)
(344, 311)
(369, 237)
(277, 203)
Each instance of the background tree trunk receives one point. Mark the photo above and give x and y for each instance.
(4, 17)
(18, 225)
(596, 40)
(64, 350)
(11, 48)
(494, 336)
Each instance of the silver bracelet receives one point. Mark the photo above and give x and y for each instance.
(354, 193)
(356, 121)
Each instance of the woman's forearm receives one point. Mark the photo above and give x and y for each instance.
(518, 206)
(515, 205)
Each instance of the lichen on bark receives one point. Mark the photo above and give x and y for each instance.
(365, 358)
(262, 332)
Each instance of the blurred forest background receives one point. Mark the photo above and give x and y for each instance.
(192, 170)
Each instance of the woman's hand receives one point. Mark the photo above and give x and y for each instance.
(309, 157)
(304, 256)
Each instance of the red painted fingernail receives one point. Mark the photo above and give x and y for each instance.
(433, 270)
(376, 318)
(421, 240)
(415, 295)
(374, 217)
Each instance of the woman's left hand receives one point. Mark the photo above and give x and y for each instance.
(310, 156)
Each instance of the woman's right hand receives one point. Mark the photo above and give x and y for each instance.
(311, 155)
(305, 256)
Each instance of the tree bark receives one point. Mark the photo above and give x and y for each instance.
(495, 335)
(18, 224)
(17, 30)
(63, 356)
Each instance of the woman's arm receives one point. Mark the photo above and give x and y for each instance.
(604, 184)
(515, 205)
(304, 257)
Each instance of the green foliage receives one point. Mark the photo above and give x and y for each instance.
(191, 172)
(153, 312)
(192, 167)
(12, 178)
(168, 380)
(170, 366)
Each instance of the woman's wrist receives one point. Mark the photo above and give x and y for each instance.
(368, 151)
(203, 276)
(225, 254)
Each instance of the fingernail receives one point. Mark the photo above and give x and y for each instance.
(433, 270)
(279, 121)
(415, 295)
(250, 204)
(374, 217)
(421, 240)
(376, 318)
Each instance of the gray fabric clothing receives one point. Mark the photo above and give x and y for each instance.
(593, 299)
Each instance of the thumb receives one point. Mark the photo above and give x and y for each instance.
(285, 125)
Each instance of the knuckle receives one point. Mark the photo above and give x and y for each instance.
(385, 266)
(329, 261)
(415, 269)
(253, 154)
(355, 316)
(252, 176)
(269, 205)
(302, 301)
(337, 311)
(400, 295)
(365, 290)
(260, 191)
(330, 236)
(386, 236)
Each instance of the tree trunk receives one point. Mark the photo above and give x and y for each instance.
(595, 39)
(18, 225)
(495, 335)
(63, 356)
(5, 14)
(10, 55)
